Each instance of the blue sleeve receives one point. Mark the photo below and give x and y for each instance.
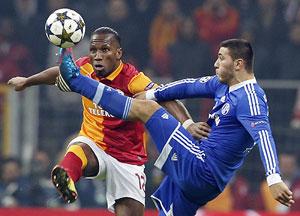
(188, 88)
(252, 112)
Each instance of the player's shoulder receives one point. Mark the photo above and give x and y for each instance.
(205, 79)
(85, 66)
(251, 93)
(251, 99)
(129, 70)
(252, 88)
(137, 80)
(130, 73)
(213, 82)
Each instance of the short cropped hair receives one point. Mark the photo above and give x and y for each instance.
(108, 30)
(240, 48)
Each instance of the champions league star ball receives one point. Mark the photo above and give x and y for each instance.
(65, 28)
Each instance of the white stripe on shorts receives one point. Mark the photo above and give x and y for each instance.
(160, 161)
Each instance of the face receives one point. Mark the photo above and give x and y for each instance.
(105, 54)
(224, 66)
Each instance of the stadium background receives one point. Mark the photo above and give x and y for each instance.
(168, 40)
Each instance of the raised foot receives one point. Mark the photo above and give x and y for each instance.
(64, 184)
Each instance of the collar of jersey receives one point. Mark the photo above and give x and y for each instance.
(241, 84)
(116, 72)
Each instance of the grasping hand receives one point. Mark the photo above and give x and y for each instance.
(199, 130)
(282, 194)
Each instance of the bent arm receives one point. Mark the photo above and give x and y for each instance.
(47, 77)
(198, 130)
(141, 82)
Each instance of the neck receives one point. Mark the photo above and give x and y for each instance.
(241, 76)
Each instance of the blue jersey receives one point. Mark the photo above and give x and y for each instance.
(239, 120)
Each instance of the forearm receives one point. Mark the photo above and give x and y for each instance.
(177, 109)
(47, 77)
(262, 135)
(269, 158)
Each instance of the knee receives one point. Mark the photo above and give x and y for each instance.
(92, 166)
(150, 106)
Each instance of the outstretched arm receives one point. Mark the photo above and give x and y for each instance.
(47, 77)
(204, 87)
(198, 130)
(257, 125)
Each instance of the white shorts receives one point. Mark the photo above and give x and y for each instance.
(122, 180)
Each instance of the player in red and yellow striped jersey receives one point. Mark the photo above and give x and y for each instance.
(106, 145)
(100, 126)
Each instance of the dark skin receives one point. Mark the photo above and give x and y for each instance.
(105, 54)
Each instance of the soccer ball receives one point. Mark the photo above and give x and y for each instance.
(65, 28)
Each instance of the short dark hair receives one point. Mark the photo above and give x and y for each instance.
(108, 30)
(240, 48)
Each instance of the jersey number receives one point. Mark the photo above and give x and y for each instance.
(142, 181)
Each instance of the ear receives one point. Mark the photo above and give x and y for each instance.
(239, 64)
(119, 53)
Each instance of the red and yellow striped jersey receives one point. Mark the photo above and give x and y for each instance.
(123, 140)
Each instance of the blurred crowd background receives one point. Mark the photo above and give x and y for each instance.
(167, 40)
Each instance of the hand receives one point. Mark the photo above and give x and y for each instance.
(282, 194)
(140, 95)
(199, 130)
(18, 83)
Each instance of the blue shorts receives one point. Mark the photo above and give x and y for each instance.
(189, 183)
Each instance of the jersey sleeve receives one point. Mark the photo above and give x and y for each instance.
(252, 112)
(84, 65)
(188, 88)
(140, 82)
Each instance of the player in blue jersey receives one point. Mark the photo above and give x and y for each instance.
(198, 171)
